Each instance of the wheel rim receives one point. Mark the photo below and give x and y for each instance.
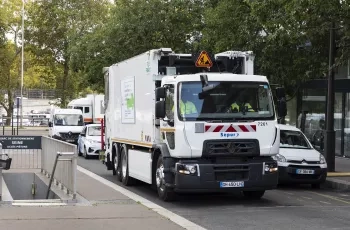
(160, 177)
(116, 162)
(124, 165)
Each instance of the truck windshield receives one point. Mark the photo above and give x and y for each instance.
(225, 101)
(69, 120)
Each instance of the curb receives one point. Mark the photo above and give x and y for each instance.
(337, 184)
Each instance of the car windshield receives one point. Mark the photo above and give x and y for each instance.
(225, 101)
(94, 131)
(69, 120)
(293, 139)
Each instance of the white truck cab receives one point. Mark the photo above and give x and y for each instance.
(66, 124)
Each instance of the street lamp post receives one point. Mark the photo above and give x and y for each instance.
(330, 133)
(22, 65)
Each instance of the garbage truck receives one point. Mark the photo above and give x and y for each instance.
(188, 123)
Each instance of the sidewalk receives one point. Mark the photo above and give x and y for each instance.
(104, 208)
(340, 179)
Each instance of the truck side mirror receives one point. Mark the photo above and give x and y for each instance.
(160, 109)
(282, 108)
(280, 93)
(50, 124)
(160, 93)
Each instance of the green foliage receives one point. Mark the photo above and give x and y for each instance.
(56, 28)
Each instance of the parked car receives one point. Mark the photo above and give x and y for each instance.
(89, 141)
(298, 161)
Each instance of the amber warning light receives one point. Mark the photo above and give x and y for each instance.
(203, 60)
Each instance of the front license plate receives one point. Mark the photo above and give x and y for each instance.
(232, 184)
(70, 140)
(305, 171)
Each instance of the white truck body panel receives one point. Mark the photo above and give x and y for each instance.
(133, 120)
(92, 107)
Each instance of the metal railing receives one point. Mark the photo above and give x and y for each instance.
(66, 169)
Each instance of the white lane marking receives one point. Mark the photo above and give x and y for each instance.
(324, 202)
(308, 198)
(160, 210)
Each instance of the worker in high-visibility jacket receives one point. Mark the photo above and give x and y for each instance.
(186, 107)
(236, 108)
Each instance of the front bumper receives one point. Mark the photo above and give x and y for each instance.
(249, 175)
(93, 149)
(69, 140)
(288, 174)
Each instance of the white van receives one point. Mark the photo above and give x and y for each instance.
(66, 124)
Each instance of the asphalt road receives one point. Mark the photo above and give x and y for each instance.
(298, 207)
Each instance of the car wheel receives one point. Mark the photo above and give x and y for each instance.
(164, 192)
(254, 195)
(85, 153)
(79, 152)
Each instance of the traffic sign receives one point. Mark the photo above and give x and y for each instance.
(203, 60)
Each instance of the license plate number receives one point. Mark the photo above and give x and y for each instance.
(232, 184)
(305, 171)
(70, 140)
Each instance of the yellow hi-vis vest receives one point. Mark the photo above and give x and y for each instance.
(235, 106)
(187, 108)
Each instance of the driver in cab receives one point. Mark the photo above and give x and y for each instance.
(242, 104)
(186, 105)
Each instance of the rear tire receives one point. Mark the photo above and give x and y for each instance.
(117, 168)
(164, 193)
(127, 181)
(254, 195)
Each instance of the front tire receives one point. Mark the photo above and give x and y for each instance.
(165, 193)
(254, 195)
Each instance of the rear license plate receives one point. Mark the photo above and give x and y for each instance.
(305, 171)
(232, 184)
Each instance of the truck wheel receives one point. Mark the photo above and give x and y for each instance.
(165, 193)
(255, 195)
(125, 169)
(117, 169)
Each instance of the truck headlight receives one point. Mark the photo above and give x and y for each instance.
(188, 169)
(279, 158)
(322, 159)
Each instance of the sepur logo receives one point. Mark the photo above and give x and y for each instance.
(228, 135)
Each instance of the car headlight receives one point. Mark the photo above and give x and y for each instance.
(322, 159)
(279, 158)
(93, 141)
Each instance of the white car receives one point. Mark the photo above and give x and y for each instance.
(89, 142)
(298, 162)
